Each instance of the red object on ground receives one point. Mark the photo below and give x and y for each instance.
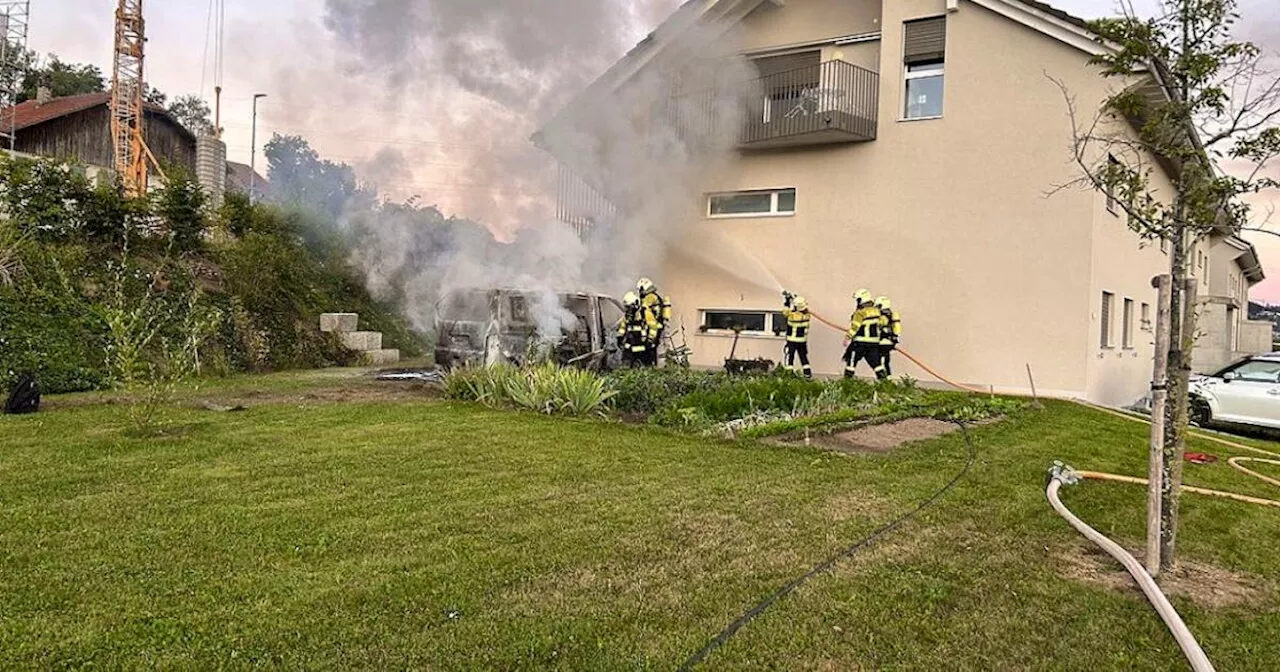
(1200, 458)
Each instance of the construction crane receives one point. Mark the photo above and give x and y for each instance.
(13, 31)
(127, 113)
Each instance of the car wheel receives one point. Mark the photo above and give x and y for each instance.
(1201, 413)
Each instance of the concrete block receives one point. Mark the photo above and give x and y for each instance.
(362, 341)
(339, 322)
(380, 357)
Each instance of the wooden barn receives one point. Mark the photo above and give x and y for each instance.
(78, 128)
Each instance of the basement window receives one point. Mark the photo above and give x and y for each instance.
(750, 322)
(765, 203)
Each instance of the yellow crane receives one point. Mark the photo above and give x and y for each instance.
(127, 111)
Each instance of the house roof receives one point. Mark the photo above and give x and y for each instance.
(238, 179)
(30, 113)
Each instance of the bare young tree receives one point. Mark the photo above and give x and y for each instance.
(1200, 107)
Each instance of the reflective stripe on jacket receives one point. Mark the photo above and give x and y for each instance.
(864, 325)
(798, 322)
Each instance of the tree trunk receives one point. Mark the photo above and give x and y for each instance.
(1176, 432)
(1159, 404)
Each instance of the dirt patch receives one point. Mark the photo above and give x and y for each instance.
(1205, 585)
(883, 438)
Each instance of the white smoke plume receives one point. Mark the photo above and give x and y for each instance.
(512, 64)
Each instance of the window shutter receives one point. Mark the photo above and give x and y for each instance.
(773, 65)
(926, 40)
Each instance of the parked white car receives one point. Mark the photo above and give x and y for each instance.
(1245, 393)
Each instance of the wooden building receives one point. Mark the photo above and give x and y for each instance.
(78, 128)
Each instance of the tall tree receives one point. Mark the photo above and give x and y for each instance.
(300, 178)
(61, 78)
(192, 112)
(1195, 101)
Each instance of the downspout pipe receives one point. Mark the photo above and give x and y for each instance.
(1060, 475)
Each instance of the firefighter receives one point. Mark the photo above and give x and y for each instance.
(863, 339)
(890, 332)
(658, 305)
(798, 321)
(633, 332)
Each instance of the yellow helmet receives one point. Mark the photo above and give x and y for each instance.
(800, 303)
(644, 286)
(883, 303)
(862, 296)
(630, 300)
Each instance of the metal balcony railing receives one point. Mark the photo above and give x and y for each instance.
(830, 102)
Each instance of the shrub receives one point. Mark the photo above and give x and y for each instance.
(546, 389)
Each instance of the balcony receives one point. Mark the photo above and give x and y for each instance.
(827, 103)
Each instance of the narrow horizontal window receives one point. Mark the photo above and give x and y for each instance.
(752, 203)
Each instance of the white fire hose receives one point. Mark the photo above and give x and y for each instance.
(1061, 475)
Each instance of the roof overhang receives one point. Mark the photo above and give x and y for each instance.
(1247, 259)
(1034, 15)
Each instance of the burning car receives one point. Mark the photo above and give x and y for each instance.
(493, 326)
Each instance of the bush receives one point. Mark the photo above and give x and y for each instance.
(546, 389)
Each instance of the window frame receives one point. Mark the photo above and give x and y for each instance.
(1106, 316)
(1146, 316)
(774, 200)
(1126, 338)
(908, 76)
(1113, 201)
(775, 324)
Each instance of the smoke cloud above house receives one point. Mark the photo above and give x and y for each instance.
(484, 75)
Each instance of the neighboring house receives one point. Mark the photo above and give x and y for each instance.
(238, 181)
(78, 128)
(1226, 270)
(927, 178)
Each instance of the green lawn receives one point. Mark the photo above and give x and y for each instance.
(307, 534)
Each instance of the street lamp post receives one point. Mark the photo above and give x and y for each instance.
(253, 146)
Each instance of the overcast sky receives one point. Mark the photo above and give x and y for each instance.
(398, 126)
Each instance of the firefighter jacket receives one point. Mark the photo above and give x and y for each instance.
(864, 325)
(659, 305)
(890, 327)
(798, 322)
(637, 330)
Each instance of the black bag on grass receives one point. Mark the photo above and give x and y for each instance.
(25, 397)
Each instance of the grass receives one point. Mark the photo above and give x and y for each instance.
(431, 535)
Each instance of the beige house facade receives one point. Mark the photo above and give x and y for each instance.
(925, 165)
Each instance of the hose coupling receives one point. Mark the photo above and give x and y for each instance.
(1064, 474)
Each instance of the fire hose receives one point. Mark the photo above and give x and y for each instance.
(909, 356)
(732, 629)
(1061, 475)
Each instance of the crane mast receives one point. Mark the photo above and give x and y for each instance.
(127, 114)
(13, 30)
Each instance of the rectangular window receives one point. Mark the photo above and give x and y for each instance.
(923, 55)
(752, 203)
(1146, 317)
(1113, 205)
(1164, 245)
(1108, 303)
(1233, 342)
(752, 322)
(1127, 339)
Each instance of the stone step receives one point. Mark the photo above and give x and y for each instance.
(362, 341)
(380, 357)
(341, 323)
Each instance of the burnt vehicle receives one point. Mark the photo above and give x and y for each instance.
(495, 326)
